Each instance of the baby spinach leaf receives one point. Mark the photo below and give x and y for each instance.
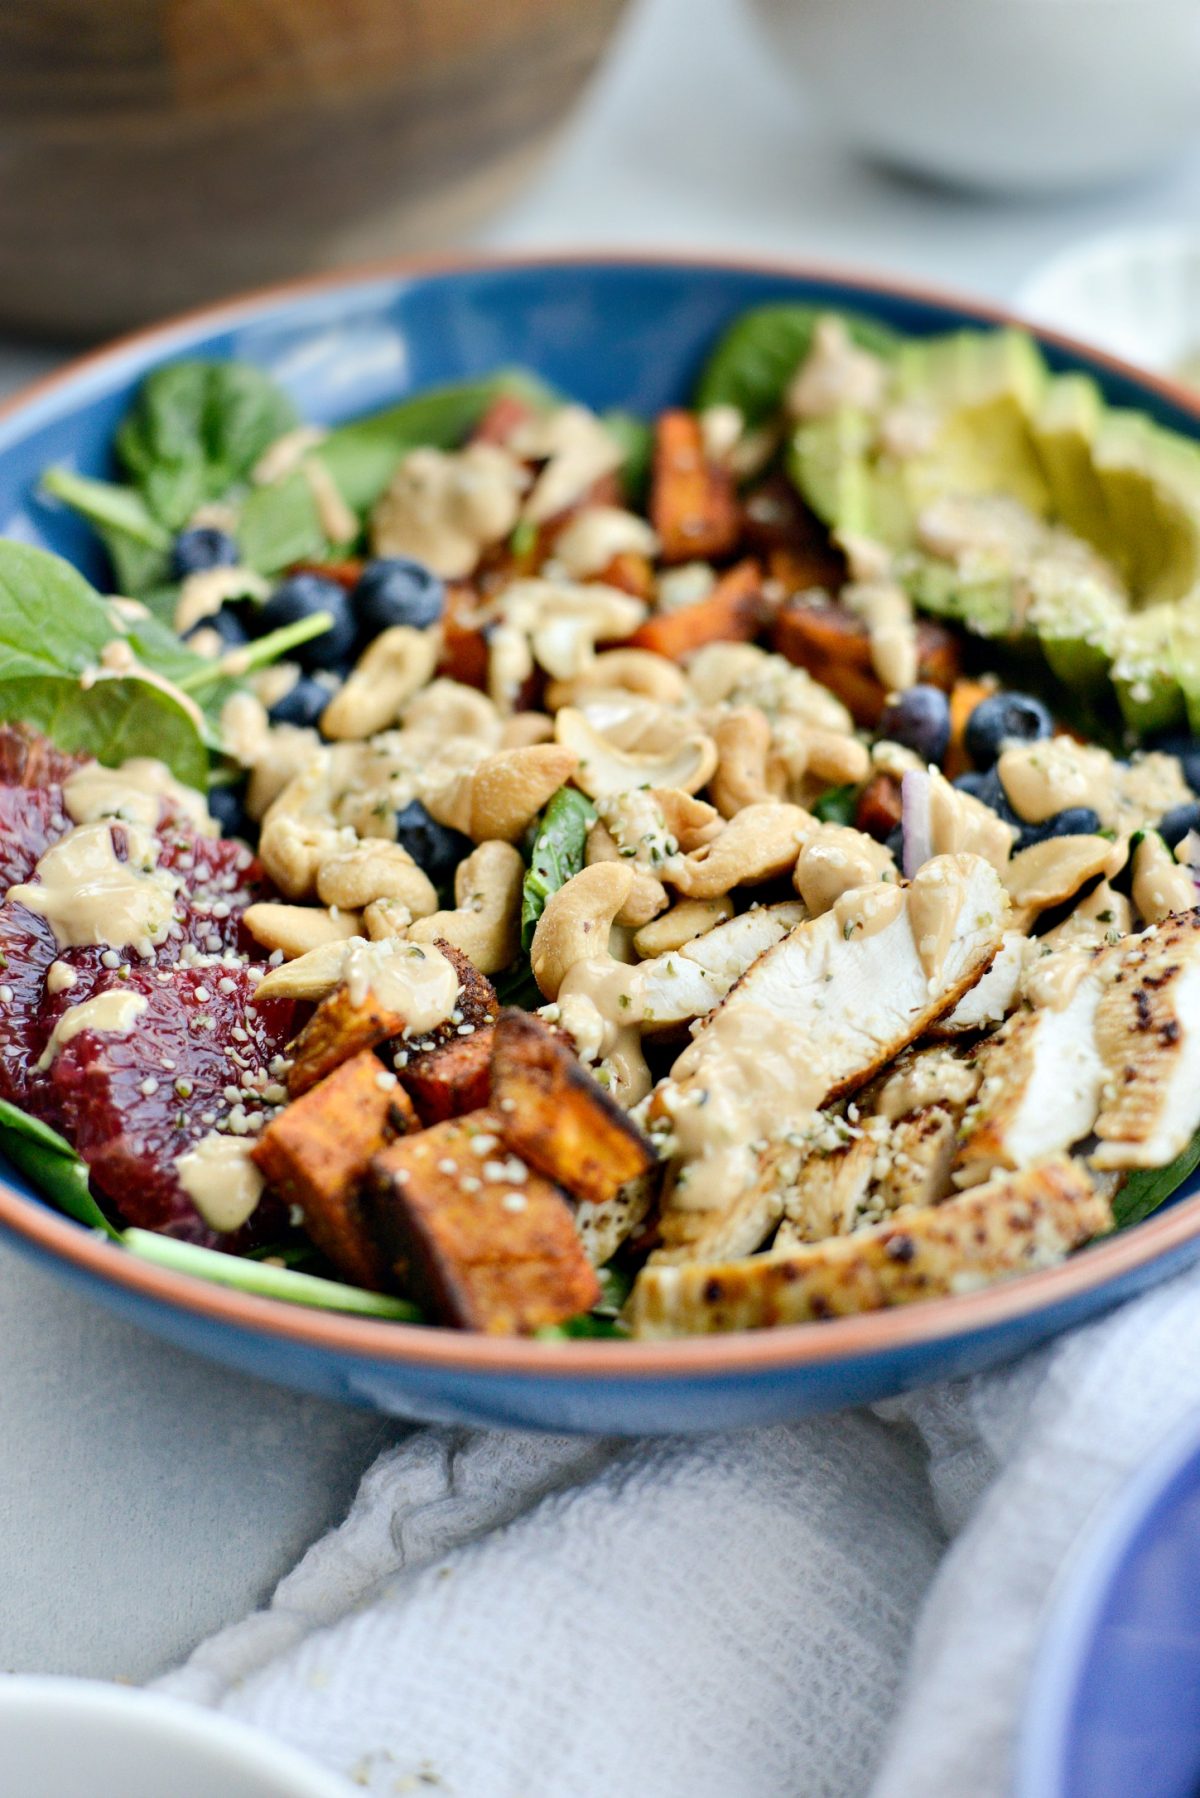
(517, 986)
(279, 525)
(556, 851)
(54, 627)
(587, 1325)
(836, 805)
(113, 720)
(48, 1159)
(760, 351)
(138, 546)
(636, 438)
(265, 1280)
(1149, 1187)
(362, 456)
(196, 429)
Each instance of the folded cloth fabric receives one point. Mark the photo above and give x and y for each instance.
(514, 1616)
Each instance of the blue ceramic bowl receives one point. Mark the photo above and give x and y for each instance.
(1114, 1703)
(625, 331)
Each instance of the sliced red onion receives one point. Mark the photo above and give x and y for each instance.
(916, 822)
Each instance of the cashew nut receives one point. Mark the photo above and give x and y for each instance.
(444, 509)
(743, 741)
(606, 769)
(590, 539)
(762, 842)
(292, 849)
(487, 923)
(452, 710)
(576, 449)
(689, 820)
(835, 860)
(688, 919)
(637, 671)
(288, 751)
(503, 793)
(647, 896)
(577, 920)
(526, 728)
(375, 869)
(395, 666)
(295, 929)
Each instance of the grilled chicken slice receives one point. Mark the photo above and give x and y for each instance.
(887, 1166)
(1011, 1226)
(941, 1074)
(688, 983)
(603, 1227)
(991, 999)
(919, 1161)
(1148, 1038)
(815, 1017)
(831, 1193)
(1040, 1085)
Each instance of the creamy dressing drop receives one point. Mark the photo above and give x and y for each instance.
(220, 1179)
(88, 895)
(137, 791)
(601, 1007)
(113, 1014)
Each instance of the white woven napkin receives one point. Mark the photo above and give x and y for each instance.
(513, 1616)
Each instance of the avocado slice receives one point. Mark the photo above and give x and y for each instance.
(1064, 431)
(985, 386)
(1143, 669)
(829, 461)
(995, 423)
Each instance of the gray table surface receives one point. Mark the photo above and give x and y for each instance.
(145, 1497)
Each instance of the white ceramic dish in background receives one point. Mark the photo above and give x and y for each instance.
(74, 1738)
(1012, 95)
(1133, 293)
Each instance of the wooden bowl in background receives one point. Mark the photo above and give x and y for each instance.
(157, 153)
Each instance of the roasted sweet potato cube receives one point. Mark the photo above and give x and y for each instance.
(337, 1030)
(732, 613)
(477, 999)
(828, 640)
(629, 571)
(878, 810)
(693, 505)
(556, 1116)
(464, 656)
(452, 1078)
(478, 1239)
(316, 1151)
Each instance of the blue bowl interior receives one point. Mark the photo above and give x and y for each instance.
(612, 333)
(1115, 1695)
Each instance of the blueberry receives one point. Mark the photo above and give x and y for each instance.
(1174, 825)
(302, 704)
(920, 720)
(200, 548)
(989, 788)
(393, 590)
(227, 624)
(1074, 821)
(1005, 718)
(434, 847)
(225, 805)
(894, 844)
(298, 598)
(1186, 750)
